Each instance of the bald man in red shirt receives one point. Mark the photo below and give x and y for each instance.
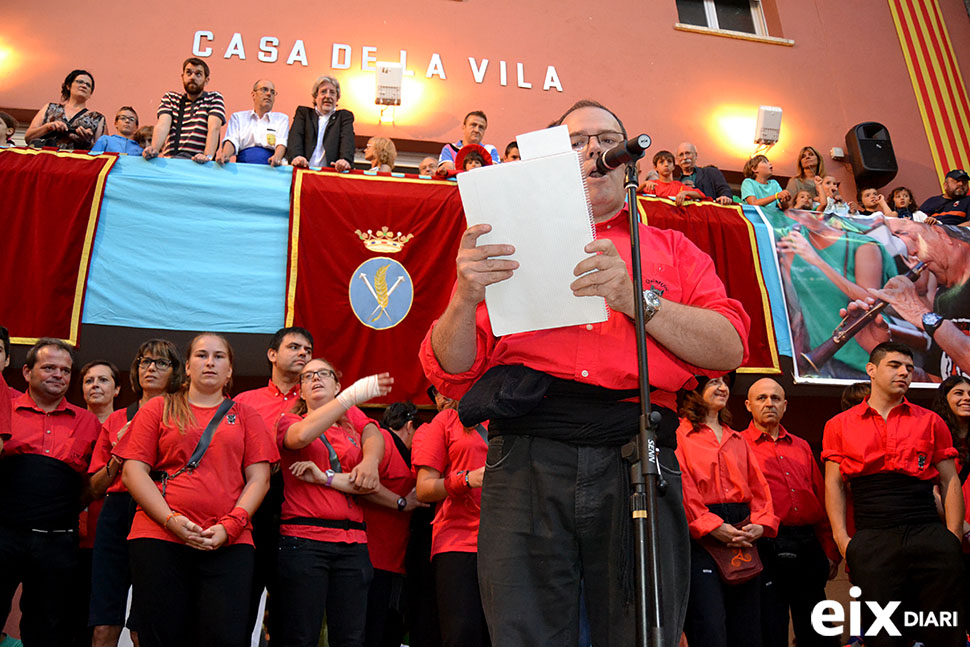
(889, 453)
(803, 556)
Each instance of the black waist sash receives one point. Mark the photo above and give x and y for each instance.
(39, 492)
(892, 499)
(520, 401)
(731, 513)
(340, 524)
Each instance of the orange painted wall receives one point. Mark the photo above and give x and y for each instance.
(845, 67)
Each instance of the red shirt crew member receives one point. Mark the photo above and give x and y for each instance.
(889, 453)
(804, 556)
(450, 462)
(43, 473)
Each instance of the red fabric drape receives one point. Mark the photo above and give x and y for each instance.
(727, 236)
(51, 202)
(327, 258)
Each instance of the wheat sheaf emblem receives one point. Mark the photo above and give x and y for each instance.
(380, 287)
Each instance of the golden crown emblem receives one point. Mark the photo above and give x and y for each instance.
(383, 241)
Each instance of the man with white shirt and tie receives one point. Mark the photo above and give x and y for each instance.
(322, 135)
(257, 136)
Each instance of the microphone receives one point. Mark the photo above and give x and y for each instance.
(623, 153)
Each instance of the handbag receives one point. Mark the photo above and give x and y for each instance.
(735, 565)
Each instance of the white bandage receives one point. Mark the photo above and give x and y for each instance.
(362, 390)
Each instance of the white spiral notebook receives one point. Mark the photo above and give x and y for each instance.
(541, 207)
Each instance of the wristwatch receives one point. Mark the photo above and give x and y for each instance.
(401, 504)
(932, 321)
(651, 304)
(329, 474)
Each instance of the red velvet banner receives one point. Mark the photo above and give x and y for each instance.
(727, 236)
(51, 202)
(371, 264)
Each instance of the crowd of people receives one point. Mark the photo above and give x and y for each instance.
(208, 498)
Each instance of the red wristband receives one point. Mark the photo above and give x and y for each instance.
(455, 483)
(234, 523)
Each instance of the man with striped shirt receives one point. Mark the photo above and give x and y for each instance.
(189, 124)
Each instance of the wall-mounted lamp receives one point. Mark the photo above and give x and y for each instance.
(768, 127)
(389, 79)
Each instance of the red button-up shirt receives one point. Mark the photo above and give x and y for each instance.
(604, 353)
(270, 403)
(795, 482)
(911, 440)
(67, 433)
(107, 441)
(720, 472)
(5, 414)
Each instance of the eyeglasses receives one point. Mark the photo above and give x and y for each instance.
(127, 119)
(271, 92)
(160, 364)
(86, 84)
(580, 141)
(322, 373)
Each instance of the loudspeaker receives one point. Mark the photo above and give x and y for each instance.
(871, 152)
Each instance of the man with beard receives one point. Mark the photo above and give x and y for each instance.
(802, 557)
(953, 207)
(554, 516)
(257, 136)
(43, 474)
(189, 124)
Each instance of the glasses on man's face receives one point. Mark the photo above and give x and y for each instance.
(160, 364)
(270, 91)
(127, 119)
(609, 139)
(322, 374)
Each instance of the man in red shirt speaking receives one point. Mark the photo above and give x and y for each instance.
(562, 403)
(889, 453)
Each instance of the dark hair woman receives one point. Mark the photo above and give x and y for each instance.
(156, 369)
(191, 540)
(727, 503)
(68, 125)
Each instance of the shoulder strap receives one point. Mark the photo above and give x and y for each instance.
(331, 453)
(206, 438)
(177, 133)
(482, 431)
(132, 410)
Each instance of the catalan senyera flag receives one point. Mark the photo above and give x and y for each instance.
(728, 238)
(51, 203)
(937, 81)
(371, 264)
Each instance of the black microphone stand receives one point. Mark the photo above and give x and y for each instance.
(646, 481)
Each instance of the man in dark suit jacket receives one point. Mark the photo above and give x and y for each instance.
(305, 146)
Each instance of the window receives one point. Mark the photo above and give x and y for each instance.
(743, 16)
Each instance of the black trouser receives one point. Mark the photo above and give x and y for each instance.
(556, 514)
(81, 599)
(919, 565)
(422, 608)
(317, 577)
(189, 597)
(385, 610)
(459, 601)
(266, 537)
(46, 564)
(794, 577)
(111, 564)
(718, 614)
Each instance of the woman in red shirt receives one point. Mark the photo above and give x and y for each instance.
(323, 546)
(191, 541)
(156, 369)
(450, 462)
(727, 501)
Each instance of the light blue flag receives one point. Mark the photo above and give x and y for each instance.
(186, 246)
(769, 273)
